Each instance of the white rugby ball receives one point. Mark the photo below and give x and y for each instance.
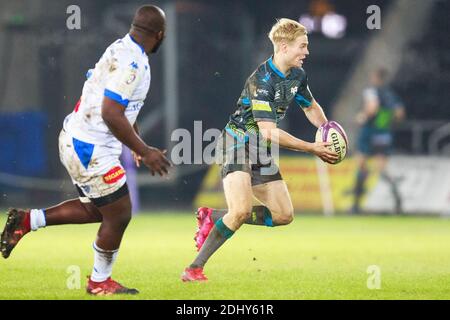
(333, 132)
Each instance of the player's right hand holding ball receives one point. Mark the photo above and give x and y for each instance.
(332, 135)
(322, 150)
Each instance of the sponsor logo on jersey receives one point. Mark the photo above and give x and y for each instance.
(134, 106)
(262, 92)
(114, 175)
(277, 94)
(294, 90)
(131, 78)
(259, 105)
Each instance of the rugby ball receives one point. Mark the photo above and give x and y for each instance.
(333, 132)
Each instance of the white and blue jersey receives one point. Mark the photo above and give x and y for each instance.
(122, 74)
(88, 149)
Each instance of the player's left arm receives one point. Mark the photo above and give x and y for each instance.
(309, 105)
(315, 114)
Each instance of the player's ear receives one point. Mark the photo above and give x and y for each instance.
(283, 46)
(160, 35)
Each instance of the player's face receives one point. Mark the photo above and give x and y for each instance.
(375, 79)
(296, 51)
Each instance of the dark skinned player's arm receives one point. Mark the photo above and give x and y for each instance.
(113, 114)
(136, 128)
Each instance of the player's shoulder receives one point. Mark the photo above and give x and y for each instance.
(370, 92)
(263, 74)
(299, 74)
(124, 50)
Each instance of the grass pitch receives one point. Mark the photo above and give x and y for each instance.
(313, 258)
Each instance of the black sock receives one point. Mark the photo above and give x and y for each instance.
(216, 238)
(361, 177)
(261, 216)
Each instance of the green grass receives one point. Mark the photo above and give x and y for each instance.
(313, 258)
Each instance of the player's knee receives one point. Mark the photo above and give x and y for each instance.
(241, 215)
(122, 220)
(287, 217)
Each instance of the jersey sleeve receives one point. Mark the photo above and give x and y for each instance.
(124, 77)
(262, 101)
(303, 97)
(370, 95)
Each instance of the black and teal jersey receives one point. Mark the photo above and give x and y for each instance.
(388, 102)
(267, 95)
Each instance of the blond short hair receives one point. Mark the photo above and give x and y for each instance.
(286, 30)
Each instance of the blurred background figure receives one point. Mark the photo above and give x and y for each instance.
(382, 108)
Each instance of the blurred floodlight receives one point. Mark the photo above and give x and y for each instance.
(334, 25)
(308, 21)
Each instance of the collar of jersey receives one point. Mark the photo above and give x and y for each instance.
(132, 39)
(278, 72)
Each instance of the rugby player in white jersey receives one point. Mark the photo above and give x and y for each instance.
(90, 144)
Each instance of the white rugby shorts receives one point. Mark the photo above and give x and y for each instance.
(95, 169)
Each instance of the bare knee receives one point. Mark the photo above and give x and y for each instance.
(286, 217)
(235, 218)
(241, 215)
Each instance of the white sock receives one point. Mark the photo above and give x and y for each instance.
(103, 263)
(37, 219)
